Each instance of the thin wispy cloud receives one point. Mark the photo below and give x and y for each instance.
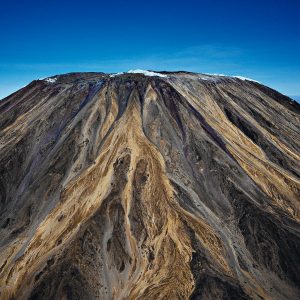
(202, 56)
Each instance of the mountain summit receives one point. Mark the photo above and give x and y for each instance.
(149, 185)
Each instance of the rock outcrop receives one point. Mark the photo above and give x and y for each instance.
(149, 186)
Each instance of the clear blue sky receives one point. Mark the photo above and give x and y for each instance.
(256, 39)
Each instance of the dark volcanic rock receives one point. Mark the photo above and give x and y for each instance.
(149, 186)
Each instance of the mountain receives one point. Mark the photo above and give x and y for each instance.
(297, 98)
(145, 185)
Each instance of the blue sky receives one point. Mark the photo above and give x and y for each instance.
(256, 39)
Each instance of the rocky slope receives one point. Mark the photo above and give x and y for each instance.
(149, 186)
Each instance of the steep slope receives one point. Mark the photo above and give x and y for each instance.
(149, 186)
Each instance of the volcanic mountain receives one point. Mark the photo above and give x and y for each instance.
(145, 185)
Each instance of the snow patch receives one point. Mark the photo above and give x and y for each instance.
(116, 74)
(50, 80)
(147, 73)
(245, 78)
(209, 74)
(238, 77)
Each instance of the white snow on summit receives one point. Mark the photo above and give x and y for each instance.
(245, 78)
(50, 80)
(209, 74)
(116, 74)
(139, 71)
(222, 75)
(146, 73)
